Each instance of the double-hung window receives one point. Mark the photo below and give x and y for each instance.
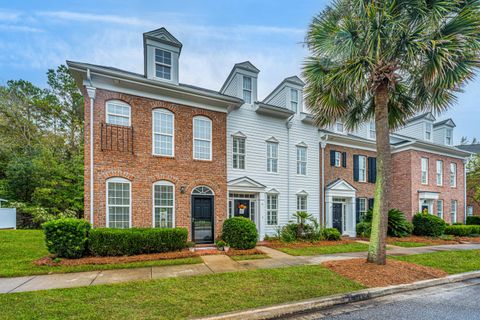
(301, 160)
(163, 64)
(118, 113)
(428, 131)
(272, 209)
(448, 137)
(339, 127)
(338, 159)
(247, 89)
(163, 204)
(454, 211)
(470, 211)
(440, 208)
(424, 176)
(163, 132)
(202, 138)
(372, 132)
(238, 153)
(453, 175)
(362, 208)
(301, 203)
(362, 168)
(439, 172)
(294, 100)
(272, 157)
(118, 203)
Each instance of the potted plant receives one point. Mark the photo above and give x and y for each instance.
(191, 246)
(220, 245)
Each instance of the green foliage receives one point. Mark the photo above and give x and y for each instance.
(425, 224)
(331, 234)
(67, 238)
(363, 229)
(462, 230)
(398, 225)
(127, 242)
(473, 220)
(240, 233)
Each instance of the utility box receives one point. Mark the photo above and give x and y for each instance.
(8, 218)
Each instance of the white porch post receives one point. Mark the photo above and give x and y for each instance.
(262, 217)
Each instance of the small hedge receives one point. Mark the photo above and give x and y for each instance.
(331, 234)
(398, 225)
(67, 238)
(462, 230)
(425, 224)
(473, 220)
(240, 233)
(364, 229)
(127, 242)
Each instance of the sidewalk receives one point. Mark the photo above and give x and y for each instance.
(211, 264)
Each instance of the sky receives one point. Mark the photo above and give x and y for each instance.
(38, 35)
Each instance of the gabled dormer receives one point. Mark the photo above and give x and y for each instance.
(242, 82)
(419, 127)
(288, 94)
(161, 53)
(443, 132)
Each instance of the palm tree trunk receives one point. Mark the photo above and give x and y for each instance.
(378, 237)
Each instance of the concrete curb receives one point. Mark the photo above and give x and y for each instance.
(322, 303)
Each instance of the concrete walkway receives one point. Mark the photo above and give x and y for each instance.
(211, 264)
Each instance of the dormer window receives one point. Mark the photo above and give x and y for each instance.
(163, 64)
(428, 131)
(372, 132)
(247, 89)
(339, 127)
(294, 100)
(448, 137)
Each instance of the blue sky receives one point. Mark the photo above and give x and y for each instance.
(37, 35)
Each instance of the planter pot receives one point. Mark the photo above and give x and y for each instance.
(192, 249)
(226, 249)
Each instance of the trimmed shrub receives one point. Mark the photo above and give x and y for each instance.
(364, 229)
(67, 237)
(473, 220)
(462, 230)
(331, 234)
(425, 224)
(240, 233)
(398, 225)
(127, 242)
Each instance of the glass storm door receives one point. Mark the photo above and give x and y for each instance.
(202, 219)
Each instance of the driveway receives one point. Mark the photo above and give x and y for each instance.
(451, 301)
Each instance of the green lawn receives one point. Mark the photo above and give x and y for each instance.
(178, 298)
(410, 244)
(449, 261)
(317, 250)
(19, 248)
(250, 257)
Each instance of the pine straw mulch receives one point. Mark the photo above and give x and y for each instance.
(394, 272)
(418, 239)
(303, 244)
(248, 252)
(468, 239)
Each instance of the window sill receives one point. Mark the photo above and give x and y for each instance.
(162, 156)
(203, 160)
(273, 173)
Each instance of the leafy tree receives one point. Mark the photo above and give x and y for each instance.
(473, 179)
(388, 60)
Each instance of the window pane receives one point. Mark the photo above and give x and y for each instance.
(118, 203)
(163, 72)
(163, 206)
(247, 83)
(163, 57)
(202, 149)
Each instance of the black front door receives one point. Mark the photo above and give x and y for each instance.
(337, 216)
(202, 219)
(242, 208)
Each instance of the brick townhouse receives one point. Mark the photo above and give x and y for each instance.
(473, 204)
(168, 154)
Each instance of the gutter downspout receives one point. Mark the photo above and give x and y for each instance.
(289, 126)
(323, 144)
(91, 94)
(465, 190)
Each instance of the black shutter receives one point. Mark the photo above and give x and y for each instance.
(371, 202)
(344, 159)
(372, 169)
(355, 167)
(332, 158)
(357, 209)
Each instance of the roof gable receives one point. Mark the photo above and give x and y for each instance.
(162, 35)
(246, 65)
(447, 122)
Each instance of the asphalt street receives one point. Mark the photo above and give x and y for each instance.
(453, 301)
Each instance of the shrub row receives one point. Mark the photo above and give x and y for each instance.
(67, 237)
(425, 224)
(473, 220)
(462, 230)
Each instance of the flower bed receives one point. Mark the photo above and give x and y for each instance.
(303, 244)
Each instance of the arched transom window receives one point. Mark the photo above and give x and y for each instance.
(202, 191)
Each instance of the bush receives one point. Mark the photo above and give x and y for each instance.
(126, 242)
(240, 233)
(331, 234)
(67, 237)
(363, 229)
(462, 230)
(398, 225)
(425, 224)
(473, 220)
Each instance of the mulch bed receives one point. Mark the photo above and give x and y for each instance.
(279, 244)
(468, 239)
(249, 252)
(394, 272)
(418, 239)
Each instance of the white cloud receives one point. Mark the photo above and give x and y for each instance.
(9, 15)
(18, 28)
(90, 17)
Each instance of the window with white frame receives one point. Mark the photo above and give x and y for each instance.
(338, 159)
(428, 131)
(163, 64)
(339, 127)
(372, 131)
(439, 172)
(454, 211)
(301, 203)
(163, 204)
(362, 168)
(247, 89)
(163, 132)
(301, 160)
(424, 176)
(453, 175)
(272, 157)
(448, 137)
(118, 113)
(362, 208)
(440, 208)
(118, 203)
(202, 138)
(294, 100)
(470, 211)
(272, 209)
(238, 153)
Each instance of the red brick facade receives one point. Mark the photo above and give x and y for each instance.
(143, 169)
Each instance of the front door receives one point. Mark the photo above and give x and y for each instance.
(337, 216)
(202, 219)
(242, 208)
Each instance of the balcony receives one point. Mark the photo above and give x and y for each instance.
(116, 138)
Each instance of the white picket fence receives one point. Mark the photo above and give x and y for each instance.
(8, 218)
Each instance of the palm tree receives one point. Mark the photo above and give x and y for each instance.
(388, 60)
